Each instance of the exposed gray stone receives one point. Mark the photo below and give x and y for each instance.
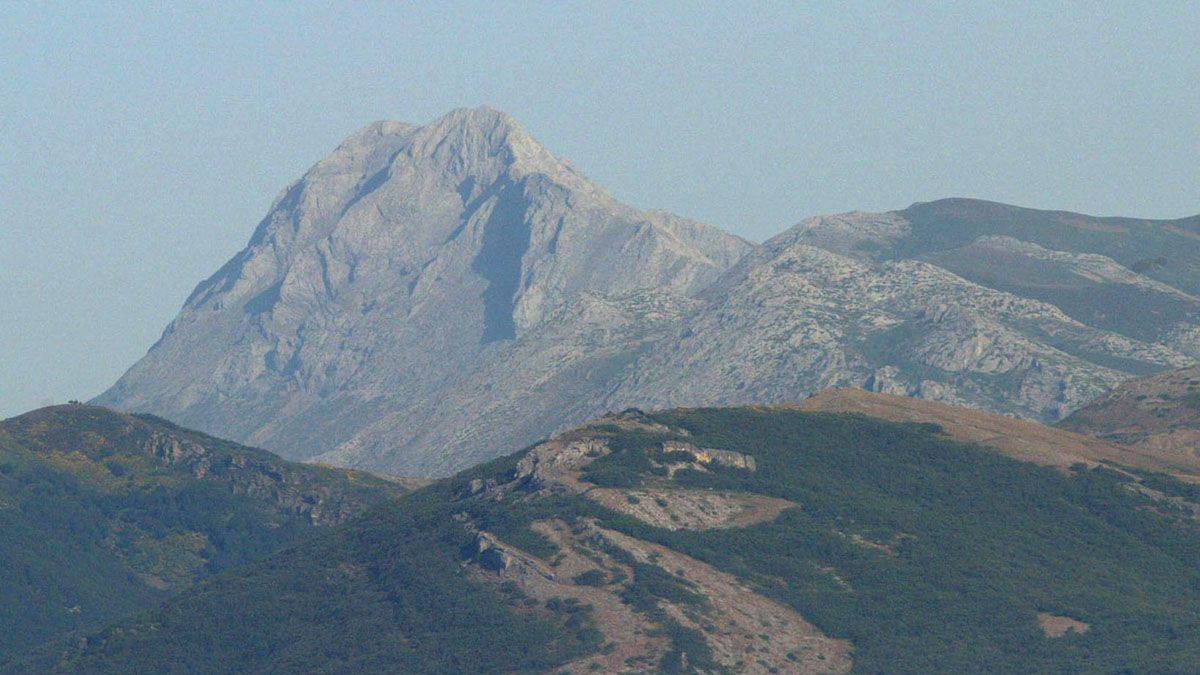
(428, 297)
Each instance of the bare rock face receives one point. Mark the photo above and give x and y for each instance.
(404, 262)
(730, 458)
(793, 318)
(429, 297)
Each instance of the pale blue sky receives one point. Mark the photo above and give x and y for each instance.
(140, 144)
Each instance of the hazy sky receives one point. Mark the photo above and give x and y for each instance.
(140, 145)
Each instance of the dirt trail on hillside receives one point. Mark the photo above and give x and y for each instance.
(746, 631)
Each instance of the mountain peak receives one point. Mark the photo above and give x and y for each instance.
(475, 124)
(480, 144)
(467, 138)
(402, 263)
(482, 116)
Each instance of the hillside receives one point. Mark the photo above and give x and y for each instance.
(807, 311)
(1160, 413)
(1133, 276)
(105, 514)
(421, 271)
(713, 540)
(1019, 439)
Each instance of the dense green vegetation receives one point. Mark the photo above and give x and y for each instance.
(94, 527)
(981, 543)
(927, 554)
(385, 593)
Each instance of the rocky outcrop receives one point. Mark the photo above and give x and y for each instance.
(1160, 413)
(257, 477)
(793, 318)
(705, 456)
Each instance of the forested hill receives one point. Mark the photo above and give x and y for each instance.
(104, 514)
(713, 540)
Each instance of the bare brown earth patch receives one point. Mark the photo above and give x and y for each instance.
(1055, 626)
(835, 576)
(746, 631)
(155, 581)
(680, 509)
(632, 643)
(1019, 439)
(661, 504)
(888, 549)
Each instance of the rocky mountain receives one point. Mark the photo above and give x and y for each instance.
(428, 296)
(1138, 278)
(755, 540)
(1160, 413)
(853, 300)
(105, 514)
(407, 259)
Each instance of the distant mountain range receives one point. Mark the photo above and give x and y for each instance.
(428, 297)
(851, 530)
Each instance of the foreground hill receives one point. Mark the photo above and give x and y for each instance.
(104, 514)
(714, 540)
(1159, 413)
(422, 272)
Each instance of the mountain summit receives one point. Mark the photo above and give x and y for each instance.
(398, 264)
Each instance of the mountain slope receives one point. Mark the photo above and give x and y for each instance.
(792, 318)
(714, 540)
(105, 514)
(1132, 276)
(406, 259)
(1160, 413)
(558, 374)
(1020, 439)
